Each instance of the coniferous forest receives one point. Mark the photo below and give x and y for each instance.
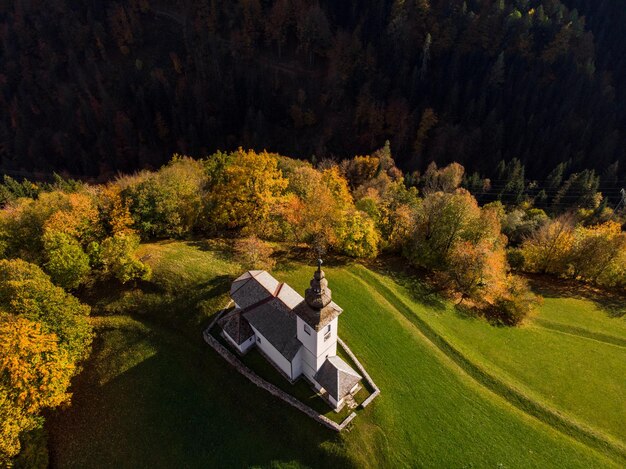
(94, 88)
(459, 164)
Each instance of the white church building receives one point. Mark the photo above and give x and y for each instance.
(297, 335)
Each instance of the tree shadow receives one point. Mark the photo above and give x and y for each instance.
(220, 248)
(612, 302)
(416, 282)
(183, 407)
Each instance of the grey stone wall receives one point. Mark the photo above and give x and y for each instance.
(269, 387)
(365, 374)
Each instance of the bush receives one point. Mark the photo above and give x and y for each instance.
(117, 257)
(254, 253)
(515, 305)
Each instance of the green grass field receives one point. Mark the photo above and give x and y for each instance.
(153, 394)
(572, 356)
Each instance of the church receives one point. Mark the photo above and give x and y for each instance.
(297, 335)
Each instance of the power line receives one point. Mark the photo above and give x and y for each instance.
(622, 203)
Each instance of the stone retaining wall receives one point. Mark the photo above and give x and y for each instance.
(269, 387)
(366, 376)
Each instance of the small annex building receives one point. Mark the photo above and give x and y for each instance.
(297, 335)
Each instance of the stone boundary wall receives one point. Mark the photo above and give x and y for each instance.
(269, 387)
(219, 315)
(367, 377)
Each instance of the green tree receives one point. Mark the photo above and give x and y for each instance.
(26, 291)
(167, 203)
(117, 258)
(66, 262)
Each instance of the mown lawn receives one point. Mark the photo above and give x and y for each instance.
(572, 355)
(153, 395)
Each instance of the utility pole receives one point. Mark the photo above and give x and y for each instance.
(622, 203)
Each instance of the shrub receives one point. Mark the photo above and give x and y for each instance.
(254, 253)
(515, 305)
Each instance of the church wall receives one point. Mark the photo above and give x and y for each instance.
(243, 348)
(318, 348)
(308, 363)
(308, 340)
(274, 355)
(322, 345)
(296, 365)
(328, 352)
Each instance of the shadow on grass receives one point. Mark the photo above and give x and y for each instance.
(185, 310)
(220, 248)
(414, 281)
(182, 407)
(613, 303)
(292, 258)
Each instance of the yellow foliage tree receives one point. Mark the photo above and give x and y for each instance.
(597, 252)
(245, 196)
(357, 235)
(34, 374)
(549, 249)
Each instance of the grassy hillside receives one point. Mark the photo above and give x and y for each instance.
(570, 357)
(154, 395)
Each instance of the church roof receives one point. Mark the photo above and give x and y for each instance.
(337, 377)
(252, 287)
(317, 318)
(275, 322)
(236, 326)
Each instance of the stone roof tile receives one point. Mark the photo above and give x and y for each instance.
(236, 326)
(337, 377)
(277, 324)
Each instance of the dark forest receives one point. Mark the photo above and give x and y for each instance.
(94, 88)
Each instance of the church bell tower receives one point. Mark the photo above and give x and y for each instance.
(317, 318)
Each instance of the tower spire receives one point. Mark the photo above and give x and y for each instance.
(318, 295)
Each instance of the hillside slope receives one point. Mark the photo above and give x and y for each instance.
(154, 395)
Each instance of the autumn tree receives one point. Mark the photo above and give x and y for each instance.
(44, 332)
(360, 169)
(442, 220)
(34, 374)
(114, 211)
(515, 304)
(597, 252)
(446, 179)
(549, 249)
(245, 193)
(478, 270)
(254, 253)
(66, 262)
(357, 235)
